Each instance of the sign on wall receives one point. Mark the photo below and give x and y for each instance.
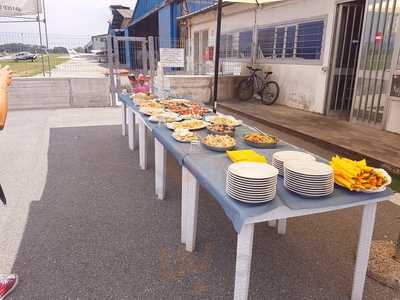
(172, 57)
(10, 8)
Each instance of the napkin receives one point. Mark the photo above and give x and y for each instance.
(246, 155)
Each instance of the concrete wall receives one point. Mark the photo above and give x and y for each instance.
(303, 84)
(393, 115)
(32, 93)
(197, 87)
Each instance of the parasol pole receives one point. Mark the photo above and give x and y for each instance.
(216, 63)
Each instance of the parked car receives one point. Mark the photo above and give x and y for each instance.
(25, 56)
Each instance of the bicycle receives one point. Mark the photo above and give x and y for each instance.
(267, 89)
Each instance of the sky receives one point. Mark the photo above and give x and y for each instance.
(72, 17)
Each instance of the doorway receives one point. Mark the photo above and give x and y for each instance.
(200, 46)
(374, 71)
(346, 47)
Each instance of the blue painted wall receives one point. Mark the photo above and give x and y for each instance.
(143, 7)
(195, 5)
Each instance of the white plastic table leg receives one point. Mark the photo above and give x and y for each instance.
(142, 145)
(123, 121)
(282, 226)
(243, 262)
(131, 130)
(160, 168)
(191, 199)
(272, 223)
(183, 204)
(364, 244)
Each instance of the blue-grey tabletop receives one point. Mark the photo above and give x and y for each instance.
(210, 170)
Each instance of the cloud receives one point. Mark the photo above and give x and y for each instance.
(73, 17)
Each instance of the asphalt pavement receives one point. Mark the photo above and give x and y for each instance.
(83, 223)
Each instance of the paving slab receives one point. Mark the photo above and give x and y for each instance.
(378, 146)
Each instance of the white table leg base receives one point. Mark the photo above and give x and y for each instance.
(131, 130)
(142, 145)
(190, 207)
(160, 169)
(282, 226)
(364, 244)
(123, 121)
(183, 204)
(243, 261)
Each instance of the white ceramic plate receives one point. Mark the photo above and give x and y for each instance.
(292, 155)
(250, 191)
(309, 168)
(253, 170)
(310, 195)
(249, 199)
(309, 191)
(294, 176)
(236, 122)
(310, 185)
(251, 180)
(249, 186)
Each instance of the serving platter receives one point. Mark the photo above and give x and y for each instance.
(218, 149)
(185, 124)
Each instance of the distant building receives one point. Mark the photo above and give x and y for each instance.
(159, 18)
(119, 20)
(98, 43)
(121, 16)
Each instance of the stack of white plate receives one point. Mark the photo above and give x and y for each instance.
(251, 182)
(279, 158)
(309, 178)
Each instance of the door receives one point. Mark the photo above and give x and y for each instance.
(349, 21)
(199, 48)
(374, 73)
(196, 52)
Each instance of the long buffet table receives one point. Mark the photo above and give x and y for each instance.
(208, 169)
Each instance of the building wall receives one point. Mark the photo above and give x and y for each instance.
(303, 84)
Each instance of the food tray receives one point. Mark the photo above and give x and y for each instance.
(218, 149)
(261, 146)
(230, 133)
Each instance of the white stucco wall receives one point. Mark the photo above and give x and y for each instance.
(303, 84)
(393, 116)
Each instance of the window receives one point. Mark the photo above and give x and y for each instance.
(245, 39)
(309, 40)
(236, 44)
(293, 41)
(266, 38)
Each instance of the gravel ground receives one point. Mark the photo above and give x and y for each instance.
(83, 223)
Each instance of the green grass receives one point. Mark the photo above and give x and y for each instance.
(28, 68)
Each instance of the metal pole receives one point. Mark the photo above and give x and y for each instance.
(40, 36)
(47, 36)
(217, 46)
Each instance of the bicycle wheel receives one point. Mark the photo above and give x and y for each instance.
(270, 92)
(246, 89)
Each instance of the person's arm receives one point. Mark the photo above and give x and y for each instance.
(5, 81)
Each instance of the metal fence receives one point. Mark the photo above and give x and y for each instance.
(70, 56)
